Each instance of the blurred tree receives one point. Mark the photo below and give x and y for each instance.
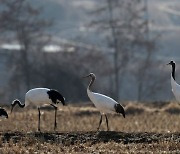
(120, 21)
(145, 44)
(23, 23)
(64, 70)
(61, 70)
(124, 25)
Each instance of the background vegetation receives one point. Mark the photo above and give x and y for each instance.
(122, 54)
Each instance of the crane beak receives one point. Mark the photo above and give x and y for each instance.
(124, 115)
(86, 76)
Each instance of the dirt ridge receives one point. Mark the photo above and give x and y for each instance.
(71, 138)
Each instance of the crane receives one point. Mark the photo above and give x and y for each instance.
(41, 97)
(103, 103)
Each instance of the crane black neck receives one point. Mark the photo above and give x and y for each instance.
(173, 70)
(20, 104)
(91, 82)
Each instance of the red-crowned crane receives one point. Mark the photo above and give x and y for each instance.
(41, 97)
(175, 86)
(103, 103)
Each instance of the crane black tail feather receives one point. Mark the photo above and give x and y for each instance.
(119, 109)
(54, 95)
(3, 113)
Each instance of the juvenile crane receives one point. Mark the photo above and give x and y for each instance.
(103, 103)
(175, 86)
(41, 97)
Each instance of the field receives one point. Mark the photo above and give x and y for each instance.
(152, 128)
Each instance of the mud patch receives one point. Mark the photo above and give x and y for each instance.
(71, 138)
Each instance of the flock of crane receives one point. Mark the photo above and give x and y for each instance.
(43, 96)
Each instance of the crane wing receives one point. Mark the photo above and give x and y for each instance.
(175, 89)
(104, 103)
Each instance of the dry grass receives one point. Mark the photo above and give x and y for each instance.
(172, 108)
(146, 129)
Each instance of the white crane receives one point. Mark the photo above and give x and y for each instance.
(175, 86)
(41, 97)
(3, 113)
(103, 103)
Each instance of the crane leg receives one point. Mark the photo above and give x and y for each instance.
(55, 123)
(107, 122)
(39, 119)
(100, 122)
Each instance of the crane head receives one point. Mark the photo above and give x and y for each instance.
(171, 62)
(92, 75)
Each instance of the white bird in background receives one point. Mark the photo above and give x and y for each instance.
(103, 103)
(174, 84)
(41, 97)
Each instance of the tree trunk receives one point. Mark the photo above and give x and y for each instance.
(115, 45)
